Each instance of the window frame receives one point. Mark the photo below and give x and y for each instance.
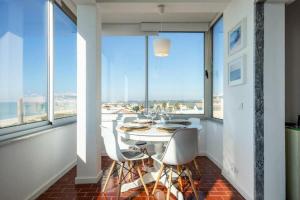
(212, 71)
(15, 131)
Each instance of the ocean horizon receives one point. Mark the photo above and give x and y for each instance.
(8, 110)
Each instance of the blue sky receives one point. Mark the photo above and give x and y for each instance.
(218, 58)
(176, 77)
(23, 35)
(65, 53)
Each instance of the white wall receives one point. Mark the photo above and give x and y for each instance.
(28, 166)
(238, 127)
(214, 142)
(292, 62)
(274, 102)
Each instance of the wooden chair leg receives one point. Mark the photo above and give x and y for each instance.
(188, 172)
(130, 168)
(196, 166)
(109, 174)
(158, 178)
(120, 180)
(142, 180)
(170, 184)
(179, 170)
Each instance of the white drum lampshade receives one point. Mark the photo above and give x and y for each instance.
(161, 47)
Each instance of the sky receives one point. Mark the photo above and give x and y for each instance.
(218, 58)
(176, 77)
(23, 50)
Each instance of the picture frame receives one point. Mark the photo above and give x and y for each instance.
(236, 71)
(237, 37)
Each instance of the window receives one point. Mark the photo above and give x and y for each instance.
(123, 75)
(24, 78)
(23, 62)
(64, 65)
(176, 82)
(218, 65)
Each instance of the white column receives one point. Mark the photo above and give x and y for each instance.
(88, 95)
(274, 101)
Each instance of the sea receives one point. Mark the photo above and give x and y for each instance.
(8, 110)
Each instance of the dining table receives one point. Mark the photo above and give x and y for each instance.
(155, 134)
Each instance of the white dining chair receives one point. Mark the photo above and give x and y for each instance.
(181, 150)
(129, 144)
(122, 157)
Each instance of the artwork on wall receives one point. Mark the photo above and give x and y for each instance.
(237, 37)
(236, 71)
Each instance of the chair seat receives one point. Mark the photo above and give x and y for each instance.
(134, 155)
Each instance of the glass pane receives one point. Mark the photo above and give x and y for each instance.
(23, 61)
(65, 75)
(123, 75)
(176, 82)
(218, 65)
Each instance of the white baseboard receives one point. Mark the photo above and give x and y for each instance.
(40, 190)
(236, 186)
(87, 180)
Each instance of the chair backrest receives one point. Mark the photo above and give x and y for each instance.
(122, 141)
(195, 121)
(182, 148)
(111, 146)
(127, 119)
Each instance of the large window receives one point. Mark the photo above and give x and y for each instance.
(23, 62)
(218, 65)
(25, 74)
(123, 75)
(176, 82)
(64, 65)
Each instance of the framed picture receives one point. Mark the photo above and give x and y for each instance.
(237, 37)
(236, 71)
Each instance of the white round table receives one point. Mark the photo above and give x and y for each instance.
(151, 135)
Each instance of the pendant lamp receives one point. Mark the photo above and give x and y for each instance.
(161, 46)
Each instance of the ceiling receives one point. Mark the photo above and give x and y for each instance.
(137, 11)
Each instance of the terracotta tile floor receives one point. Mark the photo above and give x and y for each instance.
(211, 186)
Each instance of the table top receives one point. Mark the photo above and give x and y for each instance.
(150, 135)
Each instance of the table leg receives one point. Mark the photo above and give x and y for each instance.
(170, 183)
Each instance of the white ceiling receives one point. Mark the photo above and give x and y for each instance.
(137, 11)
